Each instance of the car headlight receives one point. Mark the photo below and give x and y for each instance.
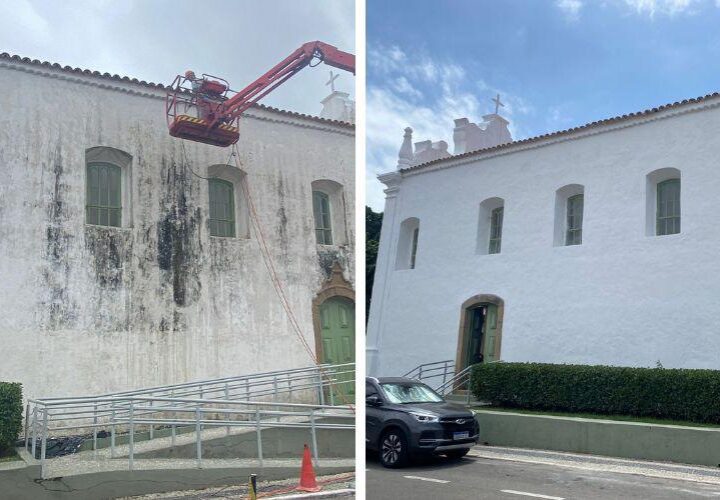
(424, 417)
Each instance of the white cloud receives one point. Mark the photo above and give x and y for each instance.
(571, 8)
(664, 7)
(402, 85)
(401, 101)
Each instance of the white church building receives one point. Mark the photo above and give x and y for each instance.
(129, 259)
(594, 245)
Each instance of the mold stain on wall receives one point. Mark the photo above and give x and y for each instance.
(60, 310)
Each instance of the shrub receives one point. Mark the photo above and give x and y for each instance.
(678, 394)
(10, 415)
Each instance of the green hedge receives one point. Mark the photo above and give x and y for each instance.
(690, 395)
(10, 415)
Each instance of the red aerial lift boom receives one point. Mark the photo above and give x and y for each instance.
(206, 110)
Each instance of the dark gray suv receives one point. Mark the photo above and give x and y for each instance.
(406, 418)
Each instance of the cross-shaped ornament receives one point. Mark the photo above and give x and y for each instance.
(331, 81)
(497, 103)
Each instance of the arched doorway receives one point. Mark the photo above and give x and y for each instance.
(480, 335)
(334, 321)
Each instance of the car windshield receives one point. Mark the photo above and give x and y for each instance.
(401, 393)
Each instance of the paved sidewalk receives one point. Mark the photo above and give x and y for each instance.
(24, 484)
(664, 470)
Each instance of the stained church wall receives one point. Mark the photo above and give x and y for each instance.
(87, 309)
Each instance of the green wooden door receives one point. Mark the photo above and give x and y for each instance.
(337, 322)
(490, 334)
(482, 334)
(474, 336)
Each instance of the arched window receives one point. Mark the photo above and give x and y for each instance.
(222, 208)
(323, 222)
(408, 243)
(328, 202)
(569, 212)
(668, 207)
(107, 187)
(490, 226)
(228, 212)
(663, 189)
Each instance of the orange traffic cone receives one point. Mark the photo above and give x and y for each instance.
(307, 473)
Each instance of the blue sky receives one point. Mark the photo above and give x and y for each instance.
(556, 63)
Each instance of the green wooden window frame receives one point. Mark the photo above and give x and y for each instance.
(103, 204)
(413, 248)
(668, 207)
(222, 208)
(575, 208)
(323, 221)
(496, 222)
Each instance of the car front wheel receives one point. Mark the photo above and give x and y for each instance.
(393, 449)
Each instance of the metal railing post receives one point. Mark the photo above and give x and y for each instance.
(172, 427)
(275, 395)
(43, 448)
(259, 436)
(198, 439)
(420, 377)
(112, 431)
(27, 424)
(314, 436)
(152, 427)
(469, 386)
(321, 388)
(34, 431)
(95, 421)
(131, 446)
(227, 415)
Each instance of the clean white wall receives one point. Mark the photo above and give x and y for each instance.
(91, 310)
(620, 298)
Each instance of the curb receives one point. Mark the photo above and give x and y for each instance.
(322, 494)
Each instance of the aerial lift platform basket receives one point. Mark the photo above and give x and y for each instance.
(204, 109)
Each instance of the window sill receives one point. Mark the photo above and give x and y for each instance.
(229, 238)
(110, 228)
(569, 246)
(674, 235)
(320, 246)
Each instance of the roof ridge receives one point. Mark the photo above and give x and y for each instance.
(155, 86)
(568, 131)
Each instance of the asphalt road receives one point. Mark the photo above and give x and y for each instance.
(474, 477)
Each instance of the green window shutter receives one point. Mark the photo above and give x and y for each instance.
(413, 250)
(668, 207)
(575, 207)
(104, 195)
(496, 222)
(323, 221)
(221, 195)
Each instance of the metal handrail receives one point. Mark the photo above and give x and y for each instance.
(160, 406)
(432, 370)
(459, 380)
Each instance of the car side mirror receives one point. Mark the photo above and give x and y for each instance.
(373, 400)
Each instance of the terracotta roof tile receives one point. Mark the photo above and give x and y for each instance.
(156, 86)
(538, 138)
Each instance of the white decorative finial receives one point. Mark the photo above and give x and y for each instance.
(331, 81)
(405, 156)
(497, 103)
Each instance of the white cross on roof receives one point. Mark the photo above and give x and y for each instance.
(497, 103)
(331, 81)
